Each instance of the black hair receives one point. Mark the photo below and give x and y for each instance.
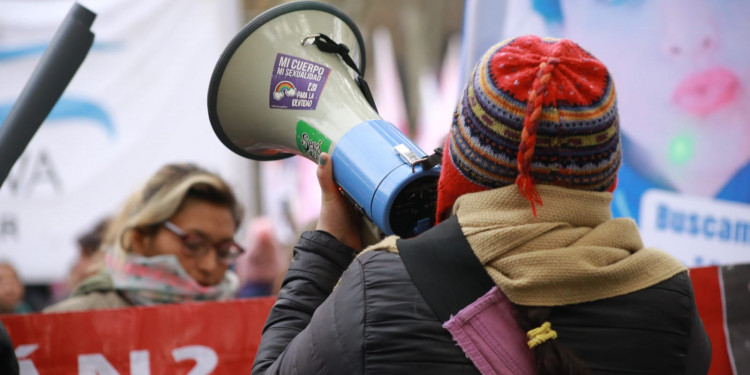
(551, 357)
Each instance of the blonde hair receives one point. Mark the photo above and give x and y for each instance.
(163, 196)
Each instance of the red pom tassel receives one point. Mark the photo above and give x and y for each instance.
(526, 188)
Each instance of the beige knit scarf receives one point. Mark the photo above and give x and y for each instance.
(572, 252)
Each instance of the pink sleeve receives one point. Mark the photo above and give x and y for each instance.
(488, 333)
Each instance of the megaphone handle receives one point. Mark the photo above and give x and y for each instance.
(353, 202)
(368, 231)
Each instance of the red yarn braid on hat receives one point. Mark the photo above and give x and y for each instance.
(528, 136)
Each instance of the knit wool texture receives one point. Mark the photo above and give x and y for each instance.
(571, 252)
(577, 142)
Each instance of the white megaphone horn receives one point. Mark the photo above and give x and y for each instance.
(288, 84)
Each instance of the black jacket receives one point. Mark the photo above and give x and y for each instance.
(376, 322)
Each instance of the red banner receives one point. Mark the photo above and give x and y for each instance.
(708, 298)
(222, 337)
(195, 338)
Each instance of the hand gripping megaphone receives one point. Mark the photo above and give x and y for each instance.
(288, 84)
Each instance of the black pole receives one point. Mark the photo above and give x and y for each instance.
(58, 65)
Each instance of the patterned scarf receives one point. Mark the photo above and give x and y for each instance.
(161, 279)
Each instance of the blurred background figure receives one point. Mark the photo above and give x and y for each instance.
(262, 265)
(90, 256)
(172, 242)
(11, 291)
(89, 261)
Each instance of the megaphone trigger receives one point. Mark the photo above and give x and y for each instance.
(360, 210)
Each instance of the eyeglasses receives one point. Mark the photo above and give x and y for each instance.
(196, 246)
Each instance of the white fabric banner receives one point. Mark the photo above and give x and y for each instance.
(137, 102)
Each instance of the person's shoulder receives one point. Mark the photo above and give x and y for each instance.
(679, 283)
(381, 266)
(98, 282)
(92, 301)
(377, 255)
(385, 250)
(384, 246)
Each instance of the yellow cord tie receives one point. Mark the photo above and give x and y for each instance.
(540, 334)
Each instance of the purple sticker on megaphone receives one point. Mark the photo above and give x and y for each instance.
(296, 83)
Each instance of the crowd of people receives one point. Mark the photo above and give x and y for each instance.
(183, 220)
(527, 174)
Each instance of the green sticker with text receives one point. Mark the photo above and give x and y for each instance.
(311, 141)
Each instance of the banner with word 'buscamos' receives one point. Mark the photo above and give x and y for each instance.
(194, 338)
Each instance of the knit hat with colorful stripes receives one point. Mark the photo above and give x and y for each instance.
(535, 111)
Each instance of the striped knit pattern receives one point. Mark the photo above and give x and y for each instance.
(577, 142)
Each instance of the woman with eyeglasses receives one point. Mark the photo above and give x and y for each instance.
(172, 242)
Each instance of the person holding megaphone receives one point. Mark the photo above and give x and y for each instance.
(526, 273)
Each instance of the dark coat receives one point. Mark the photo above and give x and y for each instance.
(376, 322)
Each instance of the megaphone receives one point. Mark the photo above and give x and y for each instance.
(291, 83)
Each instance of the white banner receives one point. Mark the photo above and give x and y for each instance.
(698, 231)
(137, 102)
